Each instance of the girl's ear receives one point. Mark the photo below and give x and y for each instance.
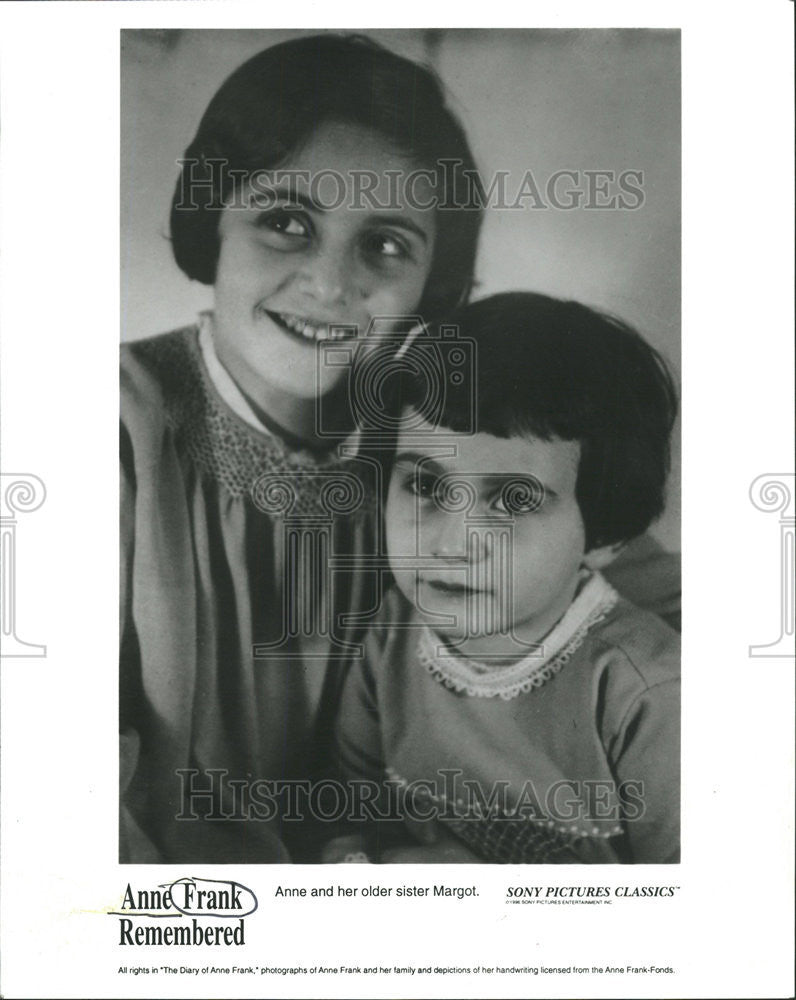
(602, 557)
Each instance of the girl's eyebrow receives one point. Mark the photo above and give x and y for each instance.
(489, 481)
(415, 459)
(399, 222)
(498, 481)
(265, 199)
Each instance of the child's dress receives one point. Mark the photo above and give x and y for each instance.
(568, 757)
(231, 635)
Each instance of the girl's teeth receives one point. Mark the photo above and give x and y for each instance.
(310, 332)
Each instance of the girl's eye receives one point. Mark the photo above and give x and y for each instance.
(519, 496)
(499, 505)
(420, 485)
(284, 223)
(384, 248)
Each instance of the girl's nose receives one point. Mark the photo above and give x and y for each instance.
(453, 539)
(327, 276)
(449, 540)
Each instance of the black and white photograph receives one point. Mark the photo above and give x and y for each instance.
(400, 529)
(397, 500)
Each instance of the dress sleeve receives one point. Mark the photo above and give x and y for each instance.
(647, 767)
(356, 758)
(394, 838)
(134, 844)
(127, 528)
(357, 732)
(649, 577)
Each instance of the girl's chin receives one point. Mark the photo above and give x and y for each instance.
(287, 340)
(302, 390)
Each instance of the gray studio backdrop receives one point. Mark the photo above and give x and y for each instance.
(532, 101)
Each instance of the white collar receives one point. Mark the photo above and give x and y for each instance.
(592, 604)
(221, 379)
(226, 387)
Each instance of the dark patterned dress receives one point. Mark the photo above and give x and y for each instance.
(235, 625)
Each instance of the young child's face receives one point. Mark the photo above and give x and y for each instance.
(495, 590)
(286, 271)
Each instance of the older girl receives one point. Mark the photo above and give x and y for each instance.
(227, 671)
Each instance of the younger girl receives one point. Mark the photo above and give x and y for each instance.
(518, 708)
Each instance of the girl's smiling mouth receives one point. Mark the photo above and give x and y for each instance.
(308, 329)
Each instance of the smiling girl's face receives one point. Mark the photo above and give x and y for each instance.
(289, 268)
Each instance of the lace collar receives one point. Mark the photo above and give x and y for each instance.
(595, 599)
(247, 461)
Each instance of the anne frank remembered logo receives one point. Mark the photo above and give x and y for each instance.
(185, 912)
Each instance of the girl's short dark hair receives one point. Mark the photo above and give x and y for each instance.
(272, 103)
(550, 368)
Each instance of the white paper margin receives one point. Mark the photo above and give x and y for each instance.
(729, 931)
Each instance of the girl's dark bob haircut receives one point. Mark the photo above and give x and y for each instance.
(549, 368)
(270, 106)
